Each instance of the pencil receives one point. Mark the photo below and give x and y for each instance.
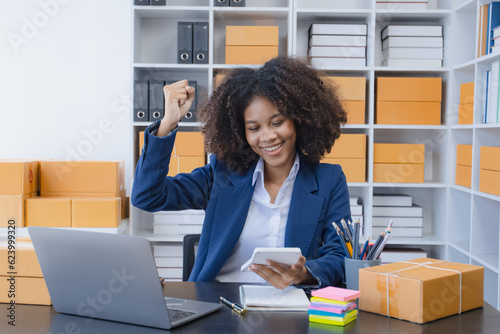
(374, 248)
(382, 244)
(347, 230)
(341, 237)
(355, 251)
(365, 247)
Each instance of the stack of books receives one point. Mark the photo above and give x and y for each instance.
(335, 45)
(489, 29)
(333, 306)
(407, 218)
(412, 46)
(490, 109)
(398, 5)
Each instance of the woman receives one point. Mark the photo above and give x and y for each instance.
(267, 129)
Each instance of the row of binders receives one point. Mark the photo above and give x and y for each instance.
(490, 112)
(412, 45)
(149, 101)
(192, 42)
(489, 29)
(232, 3)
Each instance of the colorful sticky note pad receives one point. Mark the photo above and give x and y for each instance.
(331, 292)
(334, 320)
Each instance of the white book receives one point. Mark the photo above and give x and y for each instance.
(413, 63)
(399, 232)
(416, 53)
(268, 298)
(356, 210)
(397, 211)
(496, 42)
(391, 200)
(337, 51)
(390, 255)
(337, 29)
(398, 6)
(170, 272)
(496, 32)
(398, 221)
(162, 261)
(353, 200)
(171, 249)
(337, 40)
(179, 217)
(337, 62)
(493, 88)
(412, 30)
(412, 42)
(180, 229)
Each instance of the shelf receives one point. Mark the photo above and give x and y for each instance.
(409, 127)
(406, 69)
(171, 12)
(161, 237)
(426, 184)
(249, 13)
(487, 260)
(426, 240)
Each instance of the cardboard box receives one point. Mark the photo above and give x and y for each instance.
(409, 89)
(187, 164)
(466, 113)
(349, 145)
(250, 55)
(82, 177)
(419, 293)
(398, 173)
(399, 153)
(349, 88)
(354, 169)
(48, 211)
(252, 35)
(355, 111)
(464, 155)
(18, 177)
(489, 181)
(467, 93)
(96, 212)
(173, 167)
(141, 142)
(12, 207)
(26, 262)
(412, 113)
(463, 175)
(28, 290)
(489, 158)
(188, 144)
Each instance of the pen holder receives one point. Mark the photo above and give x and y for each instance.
(352, 271)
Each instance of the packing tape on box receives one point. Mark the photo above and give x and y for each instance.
(426, 265)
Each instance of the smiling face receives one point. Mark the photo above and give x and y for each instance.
(271, 135)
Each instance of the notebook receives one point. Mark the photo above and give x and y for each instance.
(110, 277)
(268, 298)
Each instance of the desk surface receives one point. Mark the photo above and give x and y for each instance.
(43, 319)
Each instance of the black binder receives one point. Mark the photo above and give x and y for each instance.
(185, 42)
(141, 2)
(200, 42)
(237, 3)
(221, 2)
(158, 2)
(141, 113)
(156, 100)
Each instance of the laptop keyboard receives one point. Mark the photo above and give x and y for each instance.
(176, 315)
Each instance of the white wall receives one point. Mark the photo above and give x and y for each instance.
(65, 80)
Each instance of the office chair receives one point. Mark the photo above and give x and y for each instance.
(189, 245)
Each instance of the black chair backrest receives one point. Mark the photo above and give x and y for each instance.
(189, 244)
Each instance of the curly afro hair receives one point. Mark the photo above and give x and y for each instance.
(299, 94)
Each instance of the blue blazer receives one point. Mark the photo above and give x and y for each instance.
(320, 196)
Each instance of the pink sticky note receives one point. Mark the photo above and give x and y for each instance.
(334, 293)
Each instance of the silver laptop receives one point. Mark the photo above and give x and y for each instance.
(109, 276)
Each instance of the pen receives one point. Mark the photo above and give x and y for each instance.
(346, 230)
(355, 250)
(365, 247)
(382, 244)
(237, 308)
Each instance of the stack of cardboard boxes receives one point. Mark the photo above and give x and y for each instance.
(398, 163)
(19, 180)
(413, 101)
(352, 93)
(463, 170)
(489, 174)
(251, 44)
(349, 151)
(466, 106)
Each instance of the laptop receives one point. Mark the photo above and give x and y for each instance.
(109, 276)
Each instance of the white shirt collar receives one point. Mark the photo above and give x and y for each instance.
(259, 169)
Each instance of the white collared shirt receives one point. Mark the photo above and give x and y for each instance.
(264, 227)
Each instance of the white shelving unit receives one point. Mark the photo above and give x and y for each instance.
(460, 224)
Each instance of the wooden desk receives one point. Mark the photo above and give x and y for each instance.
(43, 319)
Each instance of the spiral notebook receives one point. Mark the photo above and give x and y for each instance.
(268, 298)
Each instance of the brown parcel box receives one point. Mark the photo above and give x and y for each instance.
(467, 93)
(354, 169)
(355, 111)
(421, 290)
(489, 181)
(463, 175)
(398, 153)
(489, 158)
(12, 208)
(412, 113)
(188, 144)
(398, 173)
(96, 212)
(26, 262)
(252, 35)
(18, 177)
(48, 211)
(28, 290)
(409, 89)
(464, 155)
(466, 113)
(250, 54)
(349, 145)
